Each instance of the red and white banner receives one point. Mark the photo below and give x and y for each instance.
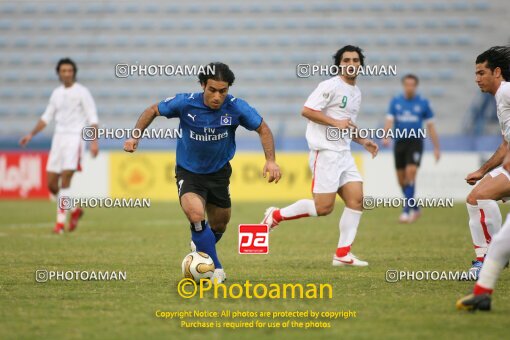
(23, 175)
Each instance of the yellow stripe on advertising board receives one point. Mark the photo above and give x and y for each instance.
(151, 175)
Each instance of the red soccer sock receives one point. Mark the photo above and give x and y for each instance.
(480, 258)
(478, 290)
(277, 216)
(341, 252)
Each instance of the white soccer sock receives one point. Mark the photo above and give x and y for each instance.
(301, 208)
(476, 230)
(497, 257)
(489, 273)
(348, 227)
(492, 220)
(62, 213)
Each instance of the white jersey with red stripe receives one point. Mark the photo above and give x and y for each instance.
(503, 108)
(338, 100)
(72, 108)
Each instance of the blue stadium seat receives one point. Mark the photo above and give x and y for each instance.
(51, 8)
(28, 8)
(418, 6)
(26, 25)
(452, 23)
(438, 6)
(376, 6)
(464, 40)
(151, 9)
(481, 6)
(8, 8)
(357, 7)
(94, 8)
(397, 6)
(472, 22)
(460, 6)
(66, 24)
(443, 40)
(71, 8)
(5, 24)
(410, 24)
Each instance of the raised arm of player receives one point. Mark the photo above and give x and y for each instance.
(320, 118)
(431, 128)
(143, 122)
(493, 162)
(267, 141)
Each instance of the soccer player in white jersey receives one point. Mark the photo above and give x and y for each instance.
(72, 107)
(335, 103)
(492, 76)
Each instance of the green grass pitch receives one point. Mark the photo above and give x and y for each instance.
(149, 244)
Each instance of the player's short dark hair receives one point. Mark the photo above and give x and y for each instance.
(67, 61)
(337, 57)
(497, 56)
(411, 76)
(221, 72)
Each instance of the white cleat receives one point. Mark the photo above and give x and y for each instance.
(219, 276)
(268, 218)
(414, 215)
(404, 218)
(348, 260)
(192, 246)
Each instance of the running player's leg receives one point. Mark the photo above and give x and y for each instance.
(497, 257)
(399, 153)
(409, 190)
(53, 181)
(218, 218)
(193, 206)
(352, 194)
(325, 183)
(413, 160)
(484, 214)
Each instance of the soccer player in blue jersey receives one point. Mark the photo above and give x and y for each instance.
(407, 113)
(208, 121)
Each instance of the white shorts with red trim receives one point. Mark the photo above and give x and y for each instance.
(331, 170)
(66, 153)
(498, 171)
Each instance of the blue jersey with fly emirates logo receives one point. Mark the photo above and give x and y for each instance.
(208, 136)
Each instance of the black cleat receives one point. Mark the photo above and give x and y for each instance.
(473, 302)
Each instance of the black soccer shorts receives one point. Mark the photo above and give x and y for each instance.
(408, 151)
(213, 187)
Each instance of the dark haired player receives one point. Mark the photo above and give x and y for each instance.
(407, 113)
(492, 76)
(72, 107)
(334, 103)
(208, 121)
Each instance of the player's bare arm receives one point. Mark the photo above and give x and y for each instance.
(388, 123)
(267, 141)
(320, 118)
(38, 128)
(94, 144)
(368, 144)
(493, 162)
(431, 128)
(143, 122)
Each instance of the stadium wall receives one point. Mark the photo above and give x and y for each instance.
(151, 174)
